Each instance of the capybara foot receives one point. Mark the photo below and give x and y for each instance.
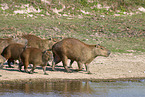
(78, 70)
(53, 69)
(26, 71)
(20, 70)
(69, 71)
(45, 73)
(10, 67)
(89, 72)
(31, 72)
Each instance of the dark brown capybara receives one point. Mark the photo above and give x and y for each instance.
(4, 42)
(36, 57)
(37, 42)
(75, 50)
(12, 52)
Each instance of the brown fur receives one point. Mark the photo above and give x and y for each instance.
(75, 50)
(37, 42)
(12, 52)
(36, 57)
(4, 42)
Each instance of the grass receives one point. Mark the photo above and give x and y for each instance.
(118, 34)
(122, 45)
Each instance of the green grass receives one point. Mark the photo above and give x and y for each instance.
(122, 45)
(83, 29)
(118, 34)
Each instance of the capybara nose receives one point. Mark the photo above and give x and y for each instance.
(109, 53)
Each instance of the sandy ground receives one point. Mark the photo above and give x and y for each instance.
(116, 66)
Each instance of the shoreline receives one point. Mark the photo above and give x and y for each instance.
(43, 80)
(117, 67)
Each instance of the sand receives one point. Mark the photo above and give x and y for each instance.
(116, 66)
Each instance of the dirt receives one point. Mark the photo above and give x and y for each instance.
(116, 66)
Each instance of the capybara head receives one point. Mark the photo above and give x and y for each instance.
(102, 51)
(46, 56)
(48, 43)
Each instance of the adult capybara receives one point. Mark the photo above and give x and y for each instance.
(75, 50)
(36, 57)
(37, 42)
(4, 42)
(12, 52)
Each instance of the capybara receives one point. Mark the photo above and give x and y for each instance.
(12, 52)
(4, 42)
(36, 57)
(75, 50)
(37, 42)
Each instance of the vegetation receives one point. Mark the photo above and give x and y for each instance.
(92, 21)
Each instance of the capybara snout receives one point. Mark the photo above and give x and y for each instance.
(102, 50)
(109, 52)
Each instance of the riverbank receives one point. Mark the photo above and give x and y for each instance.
(126, 66)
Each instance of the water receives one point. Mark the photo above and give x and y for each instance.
(74, 89)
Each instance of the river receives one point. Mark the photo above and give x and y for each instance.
(74, 89)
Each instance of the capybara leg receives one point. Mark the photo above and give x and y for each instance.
(25, 69)
(71, 62)
(87, 69)
(80, 66)
(1, 65)
(55, 61)
(26, 66)
(33, 68)
(9, 63)
(20, 66)
(53, 65)
(44, 70)
(64, 61)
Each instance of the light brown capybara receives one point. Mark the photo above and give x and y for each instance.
(12, 52)
(36, 57)
(75, 50)
(37, 42)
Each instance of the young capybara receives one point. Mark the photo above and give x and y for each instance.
(37, 42)
(75, 50)
(12, 52)
(36, 57)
